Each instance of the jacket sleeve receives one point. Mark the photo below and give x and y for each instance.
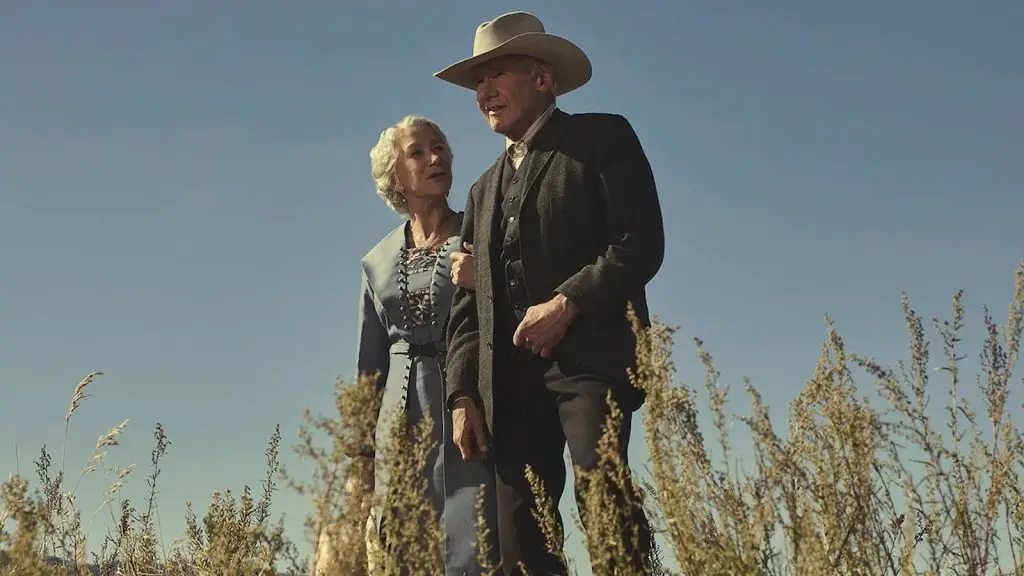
(373, 352)
(463, 331)
(635, 230)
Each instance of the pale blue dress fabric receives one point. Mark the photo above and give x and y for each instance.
(405, 300)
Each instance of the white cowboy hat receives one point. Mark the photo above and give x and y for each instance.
(522, 34)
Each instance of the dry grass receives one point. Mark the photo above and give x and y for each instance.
(848, 489)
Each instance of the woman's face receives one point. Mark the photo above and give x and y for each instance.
(424, 165)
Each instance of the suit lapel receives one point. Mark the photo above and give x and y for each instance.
(542, 151)
(489, 206)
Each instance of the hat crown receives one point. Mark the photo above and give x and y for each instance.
(521, 34)
(493, 33)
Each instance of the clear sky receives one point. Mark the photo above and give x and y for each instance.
(185, 194)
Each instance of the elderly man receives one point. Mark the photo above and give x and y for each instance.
(567, 228)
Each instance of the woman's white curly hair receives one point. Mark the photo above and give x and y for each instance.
(384, 155)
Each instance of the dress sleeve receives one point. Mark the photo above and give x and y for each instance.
(373, 355)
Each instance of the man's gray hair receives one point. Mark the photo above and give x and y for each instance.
(384, 155)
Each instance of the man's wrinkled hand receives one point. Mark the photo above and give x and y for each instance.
(464, 267)
(468, 430)
(545, 325)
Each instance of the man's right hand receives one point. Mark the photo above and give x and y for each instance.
(468, 430)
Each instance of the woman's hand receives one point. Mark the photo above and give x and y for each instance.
(464, 267)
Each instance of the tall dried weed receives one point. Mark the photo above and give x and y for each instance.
(850, 488)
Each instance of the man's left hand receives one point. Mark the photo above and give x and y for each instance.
(464, 267)
(545, 325)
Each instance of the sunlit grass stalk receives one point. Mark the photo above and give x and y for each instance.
(848, 488)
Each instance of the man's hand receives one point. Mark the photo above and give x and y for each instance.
(545, 325)
(468, 430)
(464, 267)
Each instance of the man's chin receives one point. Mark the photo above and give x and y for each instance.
(496, 125)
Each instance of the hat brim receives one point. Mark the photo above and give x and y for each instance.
(571, 66)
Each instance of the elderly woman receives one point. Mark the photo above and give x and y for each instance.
(407, 289)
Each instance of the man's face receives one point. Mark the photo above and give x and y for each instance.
(510, 93)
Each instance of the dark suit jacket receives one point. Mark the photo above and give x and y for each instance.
(590, 228)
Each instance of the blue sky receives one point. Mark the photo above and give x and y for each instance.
(185, 194)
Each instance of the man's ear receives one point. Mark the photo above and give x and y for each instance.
(544, 78)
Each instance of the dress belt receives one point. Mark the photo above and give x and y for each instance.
(430, 349)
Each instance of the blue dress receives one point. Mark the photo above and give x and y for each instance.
(404, 305)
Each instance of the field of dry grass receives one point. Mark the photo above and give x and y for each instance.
(836, 493)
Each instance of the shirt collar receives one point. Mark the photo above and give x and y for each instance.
(513, 148)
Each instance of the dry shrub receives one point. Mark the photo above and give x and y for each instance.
(235, 536)
(823, 499)
(841, 492)
(413, 541)
(341, 487)
(343, 483)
